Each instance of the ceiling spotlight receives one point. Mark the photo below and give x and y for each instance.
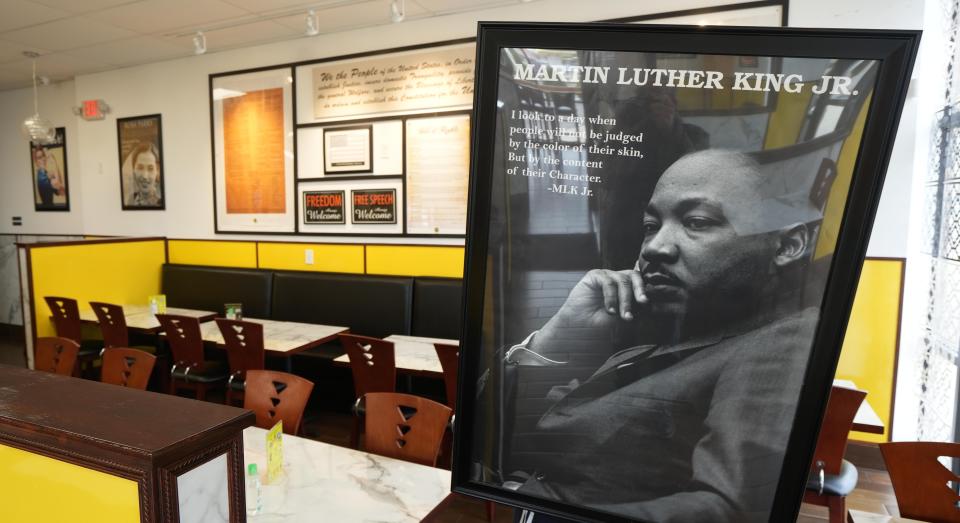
(199, 43)
(313, 25)
(397, 11)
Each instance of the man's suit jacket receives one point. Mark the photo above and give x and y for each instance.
(694, 432)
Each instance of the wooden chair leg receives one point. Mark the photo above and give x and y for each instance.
(355, 433)
(491, 510)
(228, 396)
(201, 391)
(838, 509)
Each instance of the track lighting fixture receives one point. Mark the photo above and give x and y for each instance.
(398, 11)
(199, 43)
(313, 25)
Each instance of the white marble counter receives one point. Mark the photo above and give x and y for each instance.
(413, 353)
(281, 336)
(323, 482)
(139, 317)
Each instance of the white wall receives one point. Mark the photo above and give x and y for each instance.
(16, 171)
(178, 90)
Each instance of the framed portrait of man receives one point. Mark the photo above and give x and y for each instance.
(666, 227)
(140, 145)
(49, 173)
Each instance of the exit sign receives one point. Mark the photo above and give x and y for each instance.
(93, 109)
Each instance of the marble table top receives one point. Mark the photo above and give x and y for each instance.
(413, 353)
(285, 337)
(322, 482)
(139, 317)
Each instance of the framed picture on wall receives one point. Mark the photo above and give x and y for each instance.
(348, 150)
(51, 191)
(253, 151)
(140, 147)
(654, 304)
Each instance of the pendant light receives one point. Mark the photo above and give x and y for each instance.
(36, 128)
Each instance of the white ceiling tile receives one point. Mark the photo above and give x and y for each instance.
(57, 66)
(362, 14)
(131, 51)
(15, 14)
(13, 79)
(260, 6)
(163, 16)
(11, 51)
(452, 6)
(68, 33)
(247, 35)
(83, 6)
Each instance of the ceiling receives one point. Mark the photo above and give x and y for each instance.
(76, 37)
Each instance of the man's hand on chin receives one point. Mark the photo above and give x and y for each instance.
(601, 300)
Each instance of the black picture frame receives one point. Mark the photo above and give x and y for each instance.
(484, 376)
(365, 167)
(55, 152)
(139, 137)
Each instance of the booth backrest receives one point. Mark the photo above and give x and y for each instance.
(375, 306)
(437, 307)
(209, 288)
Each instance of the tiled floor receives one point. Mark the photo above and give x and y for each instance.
(874, 493)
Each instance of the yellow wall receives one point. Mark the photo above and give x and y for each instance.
(408, 260)
(116, 272)
(39, 489)
(222, 254)
(869, 353)
(326, 257)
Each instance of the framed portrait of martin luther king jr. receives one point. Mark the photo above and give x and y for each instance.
(666, 227)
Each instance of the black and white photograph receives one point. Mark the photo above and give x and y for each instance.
(140, 144)
(651, 268)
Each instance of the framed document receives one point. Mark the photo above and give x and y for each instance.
(348, 150)
(654, 306)
(252, 127)
(438, 161)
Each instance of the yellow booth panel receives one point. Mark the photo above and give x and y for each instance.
(326, 257)
(38, 489)
(216, 253)
(409, 260)
(869, 354)
(122, 272)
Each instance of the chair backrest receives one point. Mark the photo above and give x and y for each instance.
(66, 316)
(449, 356)
(837, 422)
(405, 427)
(55, 354)
(372, 362)
(244, 342)
(183, 335)
(275, 396)
(920, 480)
(127, 367)
(113, 324)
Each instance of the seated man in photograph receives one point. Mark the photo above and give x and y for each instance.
(689, 423)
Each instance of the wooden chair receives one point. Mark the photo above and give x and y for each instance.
(113, 326)
(920, 480)
(127, 367)
(405, 427)
(244, 342)
(449, 356)
(55, 354)
(274, 396)
(831, 476)
(374, 370)
(190, 370)
(66, 321)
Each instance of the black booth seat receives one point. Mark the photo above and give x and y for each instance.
(209, 288)
(437, 307)
(368, 305)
